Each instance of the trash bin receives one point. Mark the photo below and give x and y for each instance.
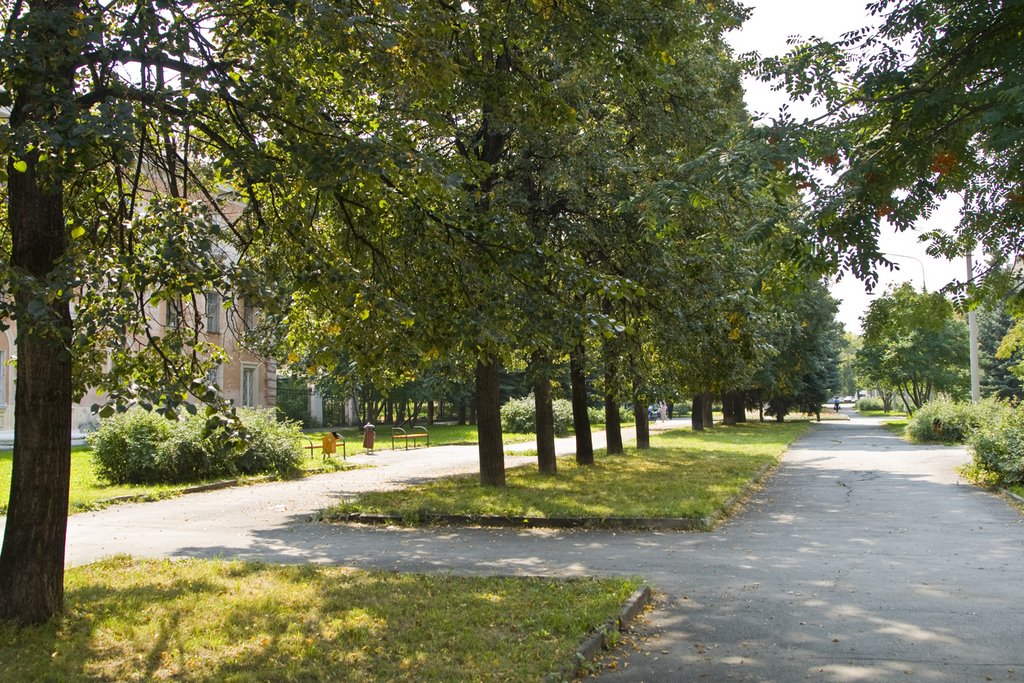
(329, 445)
(368, 436)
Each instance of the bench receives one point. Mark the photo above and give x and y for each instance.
(399, 435)
(327, 445)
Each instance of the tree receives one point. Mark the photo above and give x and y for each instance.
(804, 373)
(915, 344)
(997, 376)
(117, 113)
(922, 106)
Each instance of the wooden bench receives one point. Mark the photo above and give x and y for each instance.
(400, 435)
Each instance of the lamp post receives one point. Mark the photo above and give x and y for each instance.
(924, 287)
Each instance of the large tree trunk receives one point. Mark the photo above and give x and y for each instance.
(545, 418)
(612, 423)
(728, 408)
(580, 417)
(643, 425)
(488, 408)
(32, 557)
(709, 415)
(741, 407)
(697, 413)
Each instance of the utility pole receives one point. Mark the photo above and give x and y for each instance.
(972, 326)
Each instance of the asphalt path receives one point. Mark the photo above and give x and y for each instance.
(863, 558)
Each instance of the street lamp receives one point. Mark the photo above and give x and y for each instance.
(924, 287)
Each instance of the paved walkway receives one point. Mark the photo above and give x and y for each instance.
(863, 559)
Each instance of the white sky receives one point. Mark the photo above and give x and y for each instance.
(770, 24)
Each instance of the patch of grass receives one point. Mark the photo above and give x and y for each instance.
(89, 492)
(1016, 488)
(129, 620)
(686, 474)
(881, 413)
(897, 427)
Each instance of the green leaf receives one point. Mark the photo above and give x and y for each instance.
(20, 166)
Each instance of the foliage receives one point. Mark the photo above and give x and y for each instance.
(870, 403)
(685, 474)
(519, 415)
(126, 446)
(914, 343)
(246, 622)
(947, 421)
(1001, 359)
(998, 442)
(139, 447)
(921, 106)
(804, 373)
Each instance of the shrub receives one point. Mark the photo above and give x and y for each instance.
(998, 442)
(271, 446)
(945, 420)
(519, 415)
(870, 403)
(139, 447)
(125, 446)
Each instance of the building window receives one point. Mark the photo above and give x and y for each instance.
(249, 386)
(173, 318)
(213, 376)
(248, 317)
(213, 312)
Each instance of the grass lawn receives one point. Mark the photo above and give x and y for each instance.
(897, 427)
(895, 414)
(134, 620)
(686, 474)
(89, 492)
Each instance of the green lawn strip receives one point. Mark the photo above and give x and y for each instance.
(896, 415)
(685, 475)
(89, 492)
(202, 620)
(897, 427)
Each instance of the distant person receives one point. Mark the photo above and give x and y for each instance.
(836, 404)
(669, 410)
(662, 411)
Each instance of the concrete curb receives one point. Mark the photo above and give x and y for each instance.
(602, 638)
(635, 523)
(1012, 495)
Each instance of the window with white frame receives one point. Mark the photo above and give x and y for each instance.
(249, 385)
(213, 312)
(214, 375)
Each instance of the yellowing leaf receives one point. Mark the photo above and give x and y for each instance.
(20, 166)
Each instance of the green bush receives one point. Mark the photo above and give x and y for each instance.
(138, 447)
(518, 415)
(998, 442)
(870, 403)
(945, 421)
(125, 447)
(272, 444)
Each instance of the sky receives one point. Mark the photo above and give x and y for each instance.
(771, 23)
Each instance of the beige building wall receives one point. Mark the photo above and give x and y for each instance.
(245, 380)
